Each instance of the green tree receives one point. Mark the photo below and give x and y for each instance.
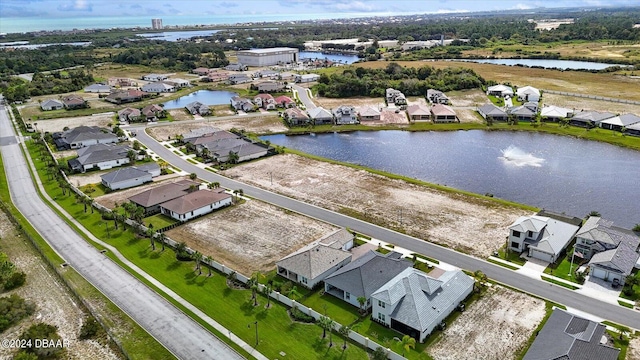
(326, 324)
(293, 293)
(594, 213)
(193, 176)
(197, 257)
(362, 300)
(379, 354)
(151, 234)
(407, 343)
(163, 240)
(209, 259)
(344, 331)
(266, 290)
(39, 332)
(233, 157)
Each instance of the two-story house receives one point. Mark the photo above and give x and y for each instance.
(542, 237)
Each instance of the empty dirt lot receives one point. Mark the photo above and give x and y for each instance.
(54, 125)
(250, 236)
(258, 124)
(465, 223)
(511, 318)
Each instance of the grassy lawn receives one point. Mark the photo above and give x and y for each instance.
(511, 256)
(620, 342)
(159, 221)
(631, 291)
(497, 101)
(385, 336)
(559, 283)
(93, 190)
(335, 308)
(503, 264)
(426, 258)
(231, 308)
(562, 271)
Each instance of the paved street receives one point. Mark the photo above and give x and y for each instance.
(180, 334)
(304, 96)
(540, 288)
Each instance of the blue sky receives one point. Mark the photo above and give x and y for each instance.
(84, 8)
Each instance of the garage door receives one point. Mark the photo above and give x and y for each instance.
(541, 255)
(599, 273)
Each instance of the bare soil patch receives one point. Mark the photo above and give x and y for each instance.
(511, 316)
(54, 125)
(474, 226)
(54, 303)
(579, 104)
(121, 196)
(92, 177)
(468, 116)
(633, 351)
(472, 98)
(180, 115)
(330, 103)
(258, 124)
(250, 236)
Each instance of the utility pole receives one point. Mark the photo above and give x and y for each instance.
(573, 252)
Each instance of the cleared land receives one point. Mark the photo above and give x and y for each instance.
(250, 236)
(472, 225)
(331, 103)
(54, 303)
(259, 124)
(578, 104)
(54, 125)
(495, 327)
(633, 351)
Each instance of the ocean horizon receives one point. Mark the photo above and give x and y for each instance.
(23, 25)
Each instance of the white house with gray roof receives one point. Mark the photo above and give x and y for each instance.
(541, 237)
(364, 276)
(130, 176)
(320, 115)
(568, 337)
(83, 136)
(612, 251)
(620, 122)
(310, 265)
(51, 104)
(492, 112)
(101, 156)
(415, 303)
(590, 118)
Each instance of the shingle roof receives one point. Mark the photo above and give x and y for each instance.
(620, 245)
(565, 336)
(320, 113)
(527, 90)
(500, 88)
(313, 262)
(593, 116)
(84, 133)
(366, 274)
(491, 110)
(420, 298)
(622, 120)
(418, 109)
(440, 109)
(162, 193)
(100, 153)
(553, 111)
(369, 111)
(211, 137)
(337, 239)
(123, 174)
(194, 201)
(51, 102)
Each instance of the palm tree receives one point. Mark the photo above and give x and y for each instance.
(232, 277)
(85, 202)
(213, 185)
(208, 259)
(480, 278)
(131, 155)
(362, 300)
(91, 203)
(344, 331)
(594, 213)
(254, 285)
(294, 294)
(326, 324)
(151, 234)
(138, 213)
(407, 343)
(163, 239)
(197, 257)
(205, 153)
(233, 157)
(266, 290)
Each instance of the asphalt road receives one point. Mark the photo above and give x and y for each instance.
(304, 96)
(185, 338)
(540, 288)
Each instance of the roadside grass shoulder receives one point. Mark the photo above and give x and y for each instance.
(510, 267)
(559, 283)
(564, 270)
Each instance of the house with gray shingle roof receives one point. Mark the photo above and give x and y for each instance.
(51, 104)
(194, 204)
(320, 116)
(555, 113)
(568, 337)
(612, 251)
(542, 237)
(101, 156)
(364, 276)
(130, 176)
(618, 123)
(312, 264)
(151, 199)
(415, 303)
(633, 129)
(590, 118)
(98, 88)
(339, 239)
(492, 112)
(83, 136)
(419, 112)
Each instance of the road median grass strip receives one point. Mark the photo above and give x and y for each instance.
(559, 283)
(423, 257)
(510, 267)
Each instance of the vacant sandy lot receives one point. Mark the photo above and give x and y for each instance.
(579, 104)
(495, 327)
(467, 224)
(469, 116)
(472, 98)
(330, 103)
(54, 125)
(121, 196)
(180, 114)
(258, 124)
(251, 236)
(633, 351)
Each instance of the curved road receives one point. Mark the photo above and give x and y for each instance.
(304, 96)
(185, 338)
(540, 288)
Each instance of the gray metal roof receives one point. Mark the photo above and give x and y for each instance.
(418, 299)
(365, 275)
(123, 174)
(312, 262)
(565, 336)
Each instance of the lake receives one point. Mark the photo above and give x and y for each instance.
(345, 59)
(177, 35)
(207, 97)
(558, 173)
(548, 63)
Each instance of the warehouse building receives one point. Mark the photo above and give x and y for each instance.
(268, 57)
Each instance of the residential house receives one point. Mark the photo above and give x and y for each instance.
(194, 204)
(51, 104)
(122, 82)
(320, 116)
(492, 112)
(527, 111)
(129, 115)
(100, 156)
(310, 265)
(437, 97)
(542, 237)
(528, 94)
(152, 168)
(265, 101)
(269, 86)
(158, 87)
(415, 303)
(612, 251)
(590, 119)
(566, 336)
(235, 67)
(125, 178)
(201, 71)
(266, 73)
(395, 97)
(215, 77)
(98, 88)
(620, 122)
(345, 115)
(339, 239)
(192, 135)
(83, 136)
(441, 113)
(242, 104)
(243, 150)
(555, 113)
(154, 77)
(295, 117)
(419, 112)
(633, 129)
(305, 78)
(364, 276)
(369, 113)
(241, 78)
(126, 96)
(199, 108)
(286, 76)
(151, 199)
(178, 83)
(284, 102)
(500, 90)
(153, 112)
(74, 101)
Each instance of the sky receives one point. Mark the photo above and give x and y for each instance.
(158, 8)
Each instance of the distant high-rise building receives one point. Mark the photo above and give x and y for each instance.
(156, 24)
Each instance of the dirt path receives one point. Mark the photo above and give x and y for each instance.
(251, 236)
(511, 317)
(464, 223)
(54, 303)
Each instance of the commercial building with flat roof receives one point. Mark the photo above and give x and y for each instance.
(268, 57)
